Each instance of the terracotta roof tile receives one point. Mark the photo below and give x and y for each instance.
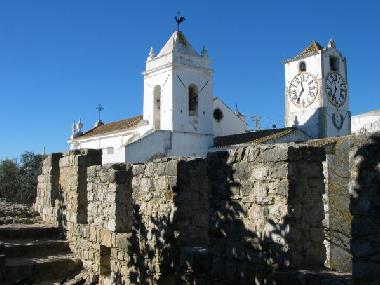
(252, 137)
(113, 127)
(312, 49)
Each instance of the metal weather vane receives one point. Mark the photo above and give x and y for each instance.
(179, 19)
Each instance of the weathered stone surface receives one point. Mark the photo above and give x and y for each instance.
(277, 211)
(365, 208)
(230, 219)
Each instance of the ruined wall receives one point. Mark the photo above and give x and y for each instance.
(234, 217)
(337, 223)
(73, 183)
(170, 212)
(365, 209)
(48, 189)
(266, 212)
(109, 196)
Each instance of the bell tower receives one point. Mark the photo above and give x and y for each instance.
(316, 92)
(178, 88)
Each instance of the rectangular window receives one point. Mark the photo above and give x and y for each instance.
(334, 63)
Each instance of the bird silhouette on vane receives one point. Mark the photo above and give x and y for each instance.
(179, 20)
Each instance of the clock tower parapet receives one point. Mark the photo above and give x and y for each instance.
(316, 92)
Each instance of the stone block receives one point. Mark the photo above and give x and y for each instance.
(106, 237)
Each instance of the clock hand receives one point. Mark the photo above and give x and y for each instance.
(299, 96)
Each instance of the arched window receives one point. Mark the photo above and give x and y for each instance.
(334, 63)
(302, 66)
(218, 115)
(157, 107)
(193, 100)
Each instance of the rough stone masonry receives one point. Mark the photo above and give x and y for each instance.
(236, 217)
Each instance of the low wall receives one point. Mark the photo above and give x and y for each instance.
(155, 145)
(234, 217)
(337, 223)
(365, 209)
(170, 212)
(110, 212)
(73, 183)
(48, 190)
(266, 211)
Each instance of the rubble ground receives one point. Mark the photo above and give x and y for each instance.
(12, 213)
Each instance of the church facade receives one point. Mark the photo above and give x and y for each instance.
(180, 117)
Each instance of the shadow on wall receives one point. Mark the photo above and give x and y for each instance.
(263, 220)
(170, 213)
(365, 209)
(234, 218)
(240, 255)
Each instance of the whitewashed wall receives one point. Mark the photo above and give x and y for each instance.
(230, 123)
(156, 144)
(368, 122)
(112, 145)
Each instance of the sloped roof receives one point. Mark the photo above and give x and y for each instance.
(368, 114)
(252, 137)
(118, 126)
(311, 49)
(177, 41)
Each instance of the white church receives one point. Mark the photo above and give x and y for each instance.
(181, 117)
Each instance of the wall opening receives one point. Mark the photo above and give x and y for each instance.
(334, 63)
(218, 115)
(157, 107)
(105, 260)
(302, 66)
(193, 100)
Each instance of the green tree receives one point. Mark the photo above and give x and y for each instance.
(30, 168)
(9, 179)
(18, 181)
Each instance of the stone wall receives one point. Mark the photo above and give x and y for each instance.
(109, 194)
(365, 209)
(170, 212)
(266, 212)
(337, 221)
(234, 217)
(73, 182)
(48, 189)
(110, 209)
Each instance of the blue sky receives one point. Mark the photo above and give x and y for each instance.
(59, 59)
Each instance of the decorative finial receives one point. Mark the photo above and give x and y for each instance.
(151, 53)
(204, 52)
(331, 43)
(79, 126)
(73, 128)
(179, 19)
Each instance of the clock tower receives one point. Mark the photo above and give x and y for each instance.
(316, 92)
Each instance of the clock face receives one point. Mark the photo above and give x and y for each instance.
(303, 89)
(336, 89)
